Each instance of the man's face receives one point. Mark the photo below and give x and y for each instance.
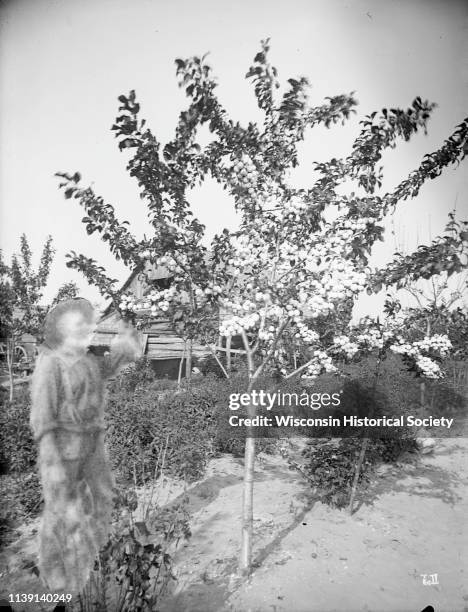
(76, 330)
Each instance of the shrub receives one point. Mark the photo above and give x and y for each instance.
(392, 448)
(443, 396)
(143, 424)
(191, 425)
(330, 466)
(398, 389)
(135, 567)
(138, 374)
(21, 499)
(20, 489)
(228, 439)
(330, 469)
(17, 447)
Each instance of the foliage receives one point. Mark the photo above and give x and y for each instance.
(20, 489)
(22, 289)
(395, 387)
(437, 311)
(140, 572)
(140, 422)
(210, 365)
(446, 395)
(17, 448)
(176, 243)
(279, 294)
(330, 470)
(138, 374)
(21, 498)
(447, 253)
(66, 292)
(190, 424)
(330, 467)
(135, 567)
(146, 417)
(457, 331)
(288, 278)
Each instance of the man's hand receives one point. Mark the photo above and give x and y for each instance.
(127, 331)
(128, 337)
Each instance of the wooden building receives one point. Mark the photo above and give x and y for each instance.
(159, 342)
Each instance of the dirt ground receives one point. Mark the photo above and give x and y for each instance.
(308, 557)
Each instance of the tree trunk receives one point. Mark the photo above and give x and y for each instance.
(364, 444)
(422, 384)
(247, 505)
(10, 361)
(356, 474)
(228, 355)
(179, 378)
(245, 562)
(188, 360)
(422, 397)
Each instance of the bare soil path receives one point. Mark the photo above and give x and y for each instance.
(311, 558)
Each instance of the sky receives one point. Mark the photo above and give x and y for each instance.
(63, 63)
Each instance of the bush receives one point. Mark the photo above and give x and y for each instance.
(20, 489)
(228, 439)
(443, 396)
(21, 498)
(330, 467)
(17, 447)
(139, 374)
(146, 425)
(135, 567)
(188, 427)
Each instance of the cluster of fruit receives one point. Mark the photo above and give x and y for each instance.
(428, 368)
(153, 303)
(236, 324)
(245, 175)
(306, 334)
(294, 208)
(374, 339)
(438, 343)
(321, 363)
(344, 345)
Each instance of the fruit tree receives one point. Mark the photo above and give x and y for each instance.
(287, 279)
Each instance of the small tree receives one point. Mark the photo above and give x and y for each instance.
(437, 310)
(288, 278)
(21, 292)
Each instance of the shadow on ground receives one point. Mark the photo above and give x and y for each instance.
(416, 478)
